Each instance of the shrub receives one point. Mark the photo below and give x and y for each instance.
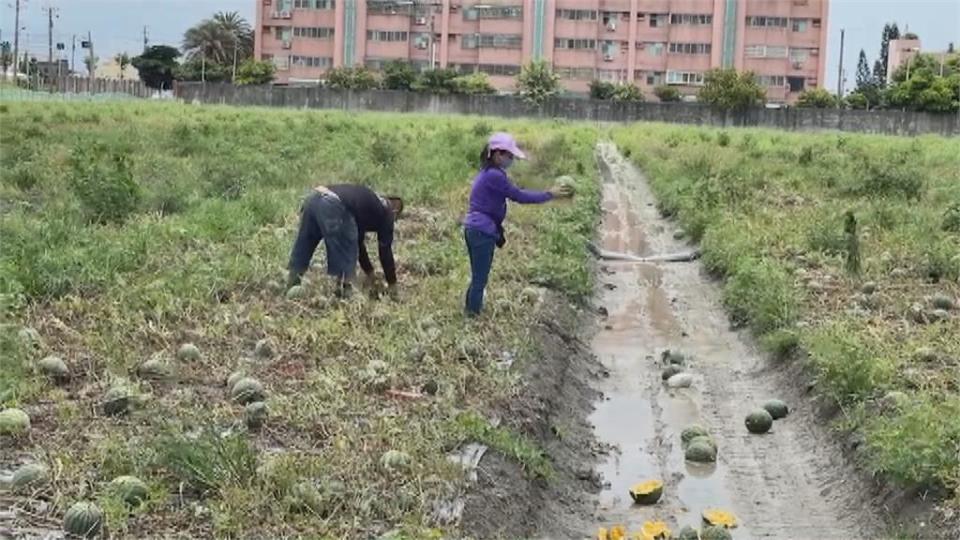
(537, 82)
(473, 84)
(817, 98)
(601, 89)
(894, 174)
(352, 78)
(857, 100)
(951, 218)
(436, 81)
(730, 90)
(255, 72)
(666, 94)
(208, 462)
(627, 92)
(398, 75)
(103, 183)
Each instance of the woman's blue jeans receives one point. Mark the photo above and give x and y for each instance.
(480, 248)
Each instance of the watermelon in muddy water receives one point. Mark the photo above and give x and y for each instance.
(670, 371)
(759, 421)
(692, 432)
(680, 380)
(673, 357)
(700, 451)
(777, 408)
(648, 492)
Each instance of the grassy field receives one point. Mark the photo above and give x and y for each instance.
(130, 229)
(771, 212)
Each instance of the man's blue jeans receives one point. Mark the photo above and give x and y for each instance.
(480, 248)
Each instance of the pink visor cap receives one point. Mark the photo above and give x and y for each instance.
(503, 141)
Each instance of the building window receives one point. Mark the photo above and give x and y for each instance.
(690, 48)
(312, 32)
(473, 13)
(765, 51)
(691, 19)
(574, 73)
(314, 4)
(613, 75)
(584, 44)
(385, 35)
(611, 17)
(651, 78)
(577, 14)
(659, 20)
(283, 33)
(799, 55)
(799, 25)
(797, 84)
(388, 7)
(686, 78)
(767, 22)
(771, 80)
(653, 48)
(501, 70)
(310, 61)
(491, 41)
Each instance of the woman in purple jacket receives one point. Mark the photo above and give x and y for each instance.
(483, 226)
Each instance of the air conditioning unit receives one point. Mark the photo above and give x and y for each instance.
(421, 45)
(611, 26)
(798, 65)
(421, 21)
(285, 15)
(275, 14)
(286, 45)
(608, 58)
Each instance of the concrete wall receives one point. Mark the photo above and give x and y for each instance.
(881, 122)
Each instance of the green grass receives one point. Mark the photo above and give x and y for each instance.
(130, 228)
(768, 208)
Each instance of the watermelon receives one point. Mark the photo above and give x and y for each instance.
(648, 492)
(715, 533)
(688, 533)
(394, 459)
(54, 367)
(759, 421)
(233, 378)
(247, 390)
(30, 477)
(297, 291)
(670, 371)
(116, 401)
(255, 414)
(14, 422)
(263, 349)
(693, 432)
(188, 352)
(700, 451)
(83, 519)
(154, 368)
(944, 302)
(129, 489)
(680, 380)
(777, 408)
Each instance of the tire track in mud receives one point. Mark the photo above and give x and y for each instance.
(790, 484)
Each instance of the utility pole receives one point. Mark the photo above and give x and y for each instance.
(234, 78)
(91, 68)
(16, 40)
(840, 71)
(73, 55)
(145, 40)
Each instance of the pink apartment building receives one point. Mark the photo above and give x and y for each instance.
(648, 42)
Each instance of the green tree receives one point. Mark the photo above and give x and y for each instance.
(156, 66)
(627, 92)
(867, 84)
(89, 61)
(919, 85)
(666, 94)
(122, 60)
(398, 75)
(537, 82)
(890, 31)
(436, 81)
(473, 84)
(255, 72)
(857, 100)
(219, 39)
(6, 56)
(730, 90)
(601, 89)
(352, 78)
(198, 69)
(817, 98)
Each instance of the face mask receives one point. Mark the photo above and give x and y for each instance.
(507, 162)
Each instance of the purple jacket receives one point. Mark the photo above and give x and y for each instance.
(488, 200)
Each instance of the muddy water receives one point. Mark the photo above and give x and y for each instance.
(779, 485)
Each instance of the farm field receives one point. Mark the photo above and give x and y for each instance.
(874, 313)
(131, 229)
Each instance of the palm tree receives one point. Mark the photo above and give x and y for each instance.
(220, 39)
(122, 60)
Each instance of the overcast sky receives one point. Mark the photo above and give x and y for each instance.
(117, 25)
